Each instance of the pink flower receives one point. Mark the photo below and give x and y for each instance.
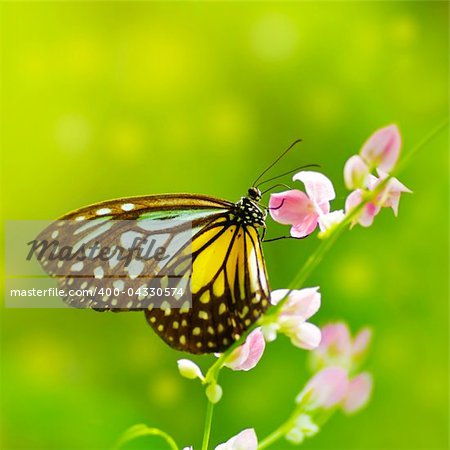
(356, 173)
(303, 211)
(245, 440)
(358, 393)
(382, 149)
(299, 306)
(369, 211)
(390, 196)
(304, 427)
(339, 349)
(249, 353)
(325, 390)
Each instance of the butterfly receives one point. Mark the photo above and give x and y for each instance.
(215, 272)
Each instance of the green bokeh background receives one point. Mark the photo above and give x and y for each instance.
(111, 99)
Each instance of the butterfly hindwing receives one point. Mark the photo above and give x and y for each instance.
(226, 297)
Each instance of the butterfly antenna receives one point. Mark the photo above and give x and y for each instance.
(272, 164)
(288, 172)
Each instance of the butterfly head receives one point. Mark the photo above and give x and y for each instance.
(254, 194)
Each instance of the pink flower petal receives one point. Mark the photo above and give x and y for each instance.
(390, 197)
(249, 353)
(327, 221)
(382, 149)
(301, 303)
(306, 336)
(290, 207)
(356, 173)
(305, 227)
(325, 390)
(336, 339)
(318, 187)
(245, 440)
(367, 214)
(361, 342)
(358, 393)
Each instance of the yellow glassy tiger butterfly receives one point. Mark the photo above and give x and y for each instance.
(215, 274)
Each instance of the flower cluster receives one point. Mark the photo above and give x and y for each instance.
(336, 383)
(291, 320)
(335, 358)
(380, 153)
(304, 211)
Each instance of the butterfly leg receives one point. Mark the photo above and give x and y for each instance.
(282, 237)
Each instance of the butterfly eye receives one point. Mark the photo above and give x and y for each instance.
(254, 193)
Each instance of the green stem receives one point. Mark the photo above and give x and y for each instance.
(208, 422)
(273, 437)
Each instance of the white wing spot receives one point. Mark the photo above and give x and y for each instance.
(102, 211)
(80, 218)
(98, 272)
(130, 237)
(127, 206)
(119, 284)
(55, 234)
(77, 266)
(135, 268)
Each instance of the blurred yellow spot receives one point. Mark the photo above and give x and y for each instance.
(42, 360)
(165, 389)
(160, 64)
(177, 132)
(404, 30)
(230, 122)
(325, 104)
(274, 37)
(355, 275)
(81, 57)
(141, 355)
(125, 140)
(73, 133)
(33, 63)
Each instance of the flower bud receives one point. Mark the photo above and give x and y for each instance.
(189, 369)
(356, 173)
(214, 393)
(382, 149)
